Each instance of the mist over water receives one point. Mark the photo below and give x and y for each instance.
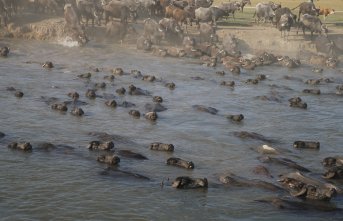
(66, 183)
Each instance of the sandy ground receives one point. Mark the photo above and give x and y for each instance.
(252, 38)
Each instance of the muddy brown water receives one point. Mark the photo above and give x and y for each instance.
(67, 183)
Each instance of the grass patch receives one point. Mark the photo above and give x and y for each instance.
(246, 17)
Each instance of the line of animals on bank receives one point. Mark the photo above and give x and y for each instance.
(206, 45)
(182, 11)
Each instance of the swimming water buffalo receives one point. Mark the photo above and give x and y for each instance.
(98, 145)
(20, 146)
(283, 161)
(265, 11)
(185, 182)
(299, 185)
(109, 159)
(234, 180)
(300, 205)
(162, 147)
(307, 8)
(180, 163)
(306, 145)
(313, 24)
(333, 161)
(4, 51)
(335, 172)
(297, 102)
(153, 31)
(211, 14)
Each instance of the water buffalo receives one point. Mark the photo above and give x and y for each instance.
(109, 159)
(299, 185)
(333, 161)
(181, 15)
(230, 45)
(280, 11)
(297, 102)
(283, 161)
(325, 45)
(111, 103)
(153, 31)
(60, 107)
(151, 116)
(119, 9)
(89, 10)
(4, 51)
(299, 205)
(243, 3)
(116, 30)
(203, 3)
(151, 7)
(133, 90)
(135, 113)
(203, 108)
(236, 117)
(72, 25)
(3, 14)
(209, 14)
(184, 182)
(284, 24)
(162, 147)
(155, 107)
(46, 6)
(207, 33)
(265, 11)
(97, 145)
(333, 173)
(171, 29)
(143, 43)
(306, 145)
(180, 163)
(157, 99)
(307, 8)
(20, 146)
(231, 7)
(234, 180)
(313, 24)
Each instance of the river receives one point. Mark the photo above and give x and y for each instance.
(67, 183)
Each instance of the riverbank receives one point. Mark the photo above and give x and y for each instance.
(252, 38)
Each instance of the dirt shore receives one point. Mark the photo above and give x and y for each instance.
(252, 38)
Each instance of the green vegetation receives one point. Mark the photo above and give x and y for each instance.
(246, 18)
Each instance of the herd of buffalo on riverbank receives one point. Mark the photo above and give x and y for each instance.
(165, 24)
